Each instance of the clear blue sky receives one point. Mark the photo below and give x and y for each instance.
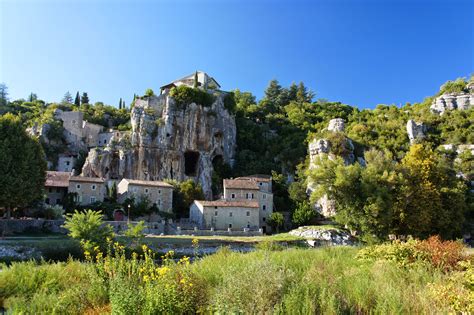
(359, 52)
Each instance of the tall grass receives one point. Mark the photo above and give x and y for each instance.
(289, 281)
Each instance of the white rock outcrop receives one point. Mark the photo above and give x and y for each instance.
(324, 236)
(336, 125)
(452, 101)
(416, 131)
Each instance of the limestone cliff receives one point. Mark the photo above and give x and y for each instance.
(450, 101)
(169, 141)
(319, 147)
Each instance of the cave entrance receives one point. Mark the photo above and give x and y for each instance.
(191, 159)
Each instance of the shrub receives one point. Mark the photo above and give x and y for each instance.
(184, 95)
(53, 212)
(149, 92)
(439, 254)
(229, 102)
(135, 232)
(88, 227)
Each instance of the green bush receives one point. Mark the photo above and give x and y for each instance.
(88, 227)
(184, 95)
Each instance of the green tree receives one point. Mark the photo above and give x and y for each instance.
(120, 103)
(149, 92)
(22, 165)
(84, 98)
(183, 196)
(303, 214)
(196, 82)
(3, 94)
(88, 227)
(276, 220)
(32, 97)
(77, 100)
(67, 98)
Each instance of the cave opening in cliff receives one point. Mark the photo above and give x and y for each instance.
(191, 159)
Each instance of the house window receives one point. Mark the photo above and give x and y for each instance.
(79, 199)
(67, 163)
(230, 225)
(263, 219)
(78, 186)
(260, 184)
(159, 191)
(248, 213)
(230, 214)
(249, 196)
(252, 196)
(57, 190)
(93, 199)
(146, 190)
(232, 196)
(159, 202)
(93, 187)
(264, 196)
(215, 213)
(264, 207)
(50, 190)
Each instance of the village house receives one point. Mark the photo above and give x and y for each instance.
(204, 81)
(158, 193)
(247, 203)
(66, 162)
(223, 214)
(88, 190)
(56, 187)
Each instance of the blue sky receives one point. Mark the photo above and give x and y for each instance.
(360, 52)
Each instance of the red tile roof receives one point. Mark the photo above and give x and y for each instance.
(227, 203)
(57, 179)
(152, 183)
(242, 183)
(86, 179)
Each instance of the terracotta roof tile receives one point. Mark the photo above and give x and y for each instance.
(57, 179)
(153, 183)
(241, 184)
(227, 203)
(86, 179)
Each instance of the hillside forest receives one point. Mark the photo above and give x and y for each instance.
(419, 189)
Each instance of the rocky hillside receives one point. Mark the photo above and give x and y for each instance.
(169, 140)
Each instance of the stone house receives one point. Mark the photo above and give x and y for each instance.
(223, 214)
(251, 193)
(253, 187)
(78, 132)
(87, 189)
(204, 81)
(56, 187)
(158, 193)
(66, 162)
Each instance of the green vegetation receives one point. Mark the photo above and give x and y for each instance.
(22, 165)
(184, 95)
(184, 194)
(269, 280)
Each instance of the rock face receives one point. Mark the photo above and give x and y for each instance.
(336, 124)
(169, 141)
(460, 101)
(324, 237)
(322, 147)
(416, 131)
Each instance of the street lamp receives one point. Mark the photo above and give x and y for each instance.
(128, 217)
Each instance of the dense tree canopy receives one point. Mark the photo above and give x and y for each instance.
(22, 165)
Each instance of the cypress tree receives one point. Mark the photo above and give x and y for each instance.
(77, 100)
(120, 103)
(84, 98)
(195, 79)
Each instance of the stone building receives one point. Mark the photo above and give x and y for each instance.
(158, 193)
(247, 203)
(66, 162)
(87, 189)
(223, 214)
(204, 81)
(79, 133)
(56, 187)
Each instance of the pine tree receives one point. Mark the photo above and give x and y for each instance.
(77, 100)
(67, 99)
(84, 98)
(3, 94)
